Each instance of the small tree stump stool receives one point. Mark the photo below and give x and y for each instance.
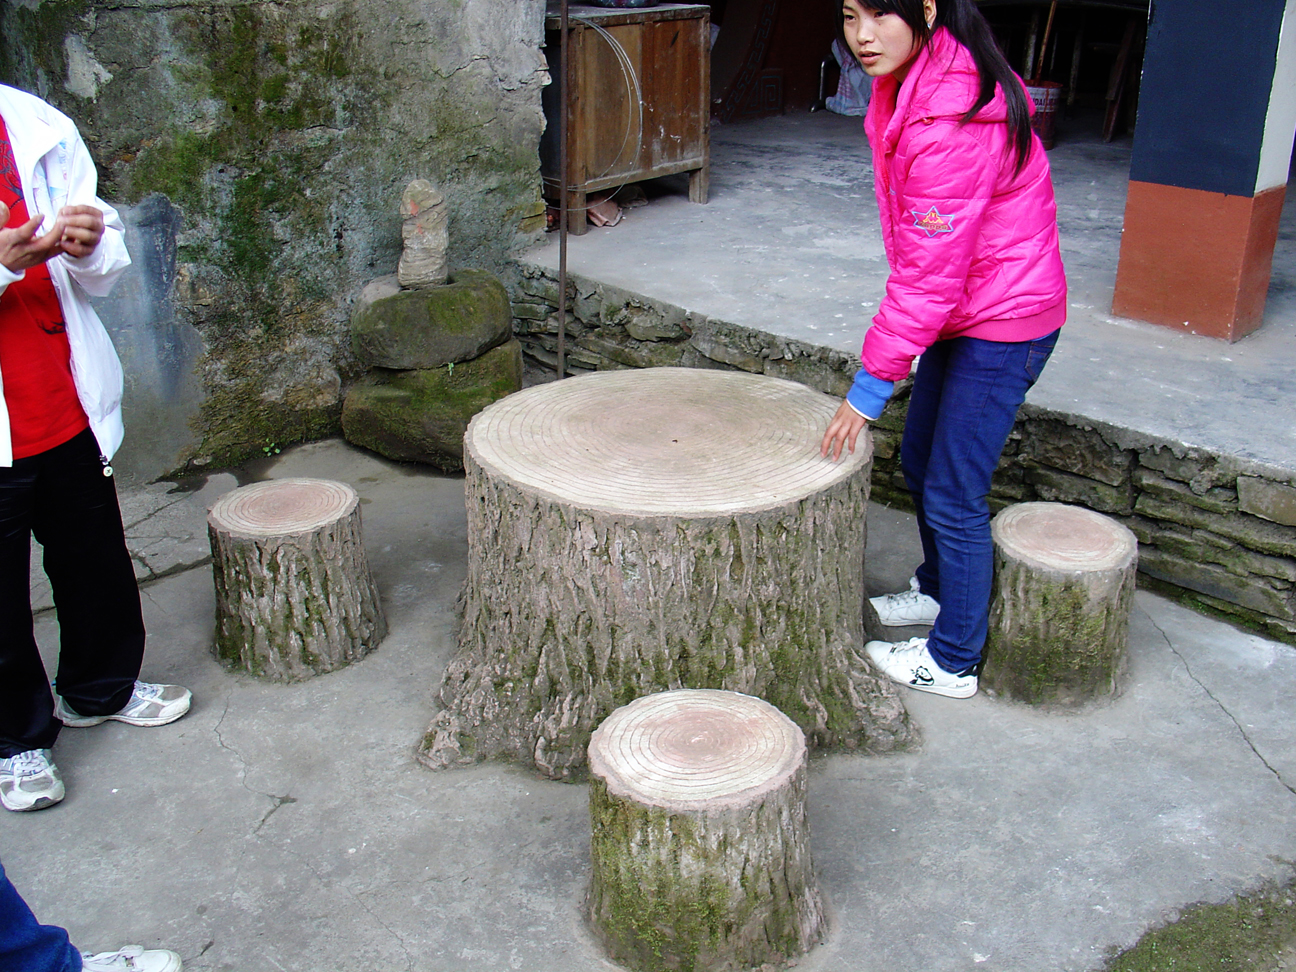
(631, 532)
(294, 594)
(699, 845)
(1059, 612)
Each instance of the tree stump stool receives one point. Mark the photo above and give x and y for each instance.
(699, 842)
(631, 532)
(1059, 612)
(294, 594)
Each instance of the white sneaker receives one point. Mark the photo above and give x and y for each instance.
(907, 607)
(149, 705)
(910, 663)
(132, 958)
(30, 781)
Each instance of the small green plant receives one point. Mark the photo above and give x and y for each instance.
(271, 448)
(450, 368)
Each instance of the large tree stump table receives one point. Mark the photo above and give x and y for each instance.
(1064, 581)
(294, 593)
(699, 844)
(631, 532)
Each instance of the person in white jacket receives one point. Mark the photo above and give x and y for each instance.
(60, 423)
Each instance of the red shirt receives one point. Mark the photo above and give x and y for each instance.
(35, 360)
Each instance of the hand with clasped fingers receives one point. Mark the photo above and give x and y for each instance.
(77, 230)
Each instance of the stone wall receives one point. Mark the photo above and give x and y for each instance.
(1217, 532)
(259, 151)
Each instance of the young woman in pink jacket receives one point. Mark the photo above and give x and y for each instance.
(976, 292)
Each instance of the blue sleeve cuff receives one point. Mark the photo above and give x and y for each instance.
(868, 395)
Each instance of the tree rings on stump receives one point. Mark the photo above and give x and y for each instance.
(294, 593)
(1059, 614)
(699, 842)
(631, 532)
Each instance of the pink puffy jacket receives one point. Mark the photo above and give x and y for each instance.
(972, 246)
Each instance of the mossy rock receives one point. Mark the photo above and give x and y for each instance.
(421, 415)
(433, 326)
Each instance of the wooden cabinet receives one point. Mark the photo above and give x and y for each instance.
(637, 98)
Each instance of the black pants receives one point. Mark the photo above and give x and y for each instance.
(63, 498)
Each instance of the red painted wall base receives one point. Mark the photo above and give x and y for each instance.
(1197, 261)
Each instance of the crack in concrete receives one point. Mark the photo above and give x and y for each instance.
(152, 513)
(404, 946)
(1222, 707)
(275, 801)
(356, 896)
(278, 801)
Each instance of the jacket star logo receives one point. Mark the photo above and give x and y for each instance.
(932, 222)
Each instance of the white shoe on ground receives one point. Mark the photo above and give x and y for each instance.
(149, 705)
(132, 958)
(30, 781)
(910, 663)
(907, 607)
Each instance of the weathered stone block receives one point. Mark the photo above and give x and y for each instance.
(544, 348)
(542, 288)
(1082, 452)
(1063, 487)
(530, 311)
(717, 350)
(1265, 498)
(653, 323)
(1201, 472)
(425, 232)
(1215, 499)
(427, 328)
(885, 444)
(1250, 531)
(1216, 582)
(815, 373)
(631, 353)
(421, 415)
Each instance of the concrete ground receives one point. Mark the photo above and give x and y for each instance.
(288, 827)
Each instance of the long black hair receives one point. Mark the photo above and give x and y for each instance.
(962, 19)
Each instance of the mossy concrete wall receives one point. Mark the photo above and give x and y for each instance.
(264, 148)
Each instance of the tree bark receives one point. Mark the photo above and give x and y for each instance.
(637, 531)
(699, 845)
(294, 593)
(1059, 618)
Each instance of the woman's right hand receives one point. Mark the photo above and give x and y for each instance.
(843, 430)
(21, 248)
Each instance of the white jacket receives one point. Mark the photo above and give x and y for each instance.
(56, 171)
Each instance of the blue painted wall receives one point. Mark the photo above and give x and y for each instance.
(1207, 75)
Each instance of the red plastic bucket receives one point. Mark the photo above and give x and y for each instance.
(1045, 94)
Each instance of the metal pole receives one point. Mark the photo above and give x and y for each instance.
(564, 184)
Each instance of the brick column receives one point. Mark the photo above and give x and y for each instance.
(1217, 116)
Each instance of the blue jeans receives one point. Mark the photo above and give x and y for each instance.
(965, 399)
(25, 943)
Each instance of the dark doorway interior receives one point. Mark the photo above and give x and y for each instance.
(773, 56)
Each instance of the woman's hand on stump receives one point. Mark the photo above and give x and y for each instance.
(843, 430)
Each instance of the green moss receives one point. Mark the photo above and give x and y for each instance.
(1063, 653)
(33, 40)
(649, 920)
(273, 131)
(1252, 932)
